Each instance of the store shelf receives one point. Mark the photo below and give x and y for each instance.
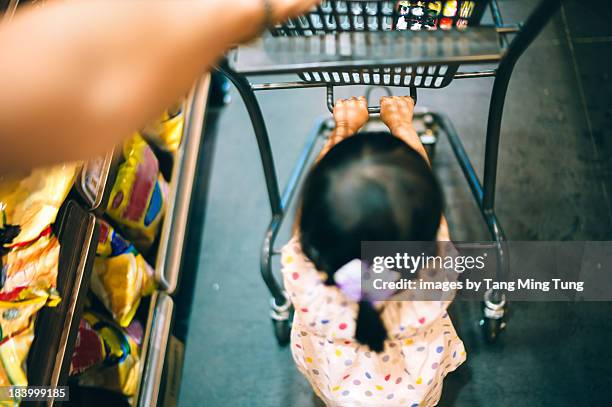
(104, 171)
(172, 237)
(171, 246)
(174, 228)
(183, 173)
(157, 333)
(56, 328)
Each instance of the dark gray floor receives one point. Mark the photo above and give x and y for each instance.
(555, 183)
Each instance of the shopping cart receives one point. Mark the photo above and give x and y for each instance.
(410, 44)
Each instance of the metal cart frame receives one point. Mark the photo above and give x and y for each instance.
(483, 192)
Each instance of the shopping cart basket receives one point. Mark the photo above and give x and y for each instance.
(411, 44)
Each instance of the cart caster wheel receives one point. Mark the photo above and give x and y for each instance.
(280, 315)
(493, 322)
(282, 331)
(491, 328)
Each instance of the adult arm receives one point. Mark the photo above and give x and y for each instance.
(77, 77)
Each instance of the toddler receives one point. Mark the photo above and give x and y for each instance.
(367, 187)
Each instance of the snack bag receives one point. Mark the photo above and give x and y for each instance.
(32, 202)
(34, 265)
(120, 282)
(167, 131)
(89, 349)
(17, 316)
(13, 354)
(121, 276)
(111, 360)
(111, 243)
(8, 232)
(138, 198)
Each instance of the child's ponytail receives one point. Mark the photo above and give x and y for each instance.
(370, 329)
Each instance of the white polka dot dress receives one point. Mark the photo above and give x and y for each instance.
(422, 346)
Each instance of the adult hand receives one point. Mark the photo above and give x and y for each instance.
(351, 114)
(396, 111)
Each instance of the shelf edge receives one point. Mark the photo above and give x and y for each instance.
(168, 262)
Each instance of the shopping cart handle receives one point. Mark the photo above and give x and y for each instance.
(371, 109)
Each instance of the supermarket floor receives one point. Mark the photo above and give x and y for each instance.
(555, 183)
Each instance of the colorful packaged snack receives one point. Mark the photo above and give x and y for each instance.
(8, 232)
(32, 202)
(402, 23)
(446, 23)
(434, 8)
(17, 316)
(167, 131)
(418, 15)
(121, 276)
(111, 243)
(418, 11)
(450, 8)
(138, 198)
(32, 266)
(120, 282)
(89, 349)
(416, 25)
(403, 7)
(106, 356)
(13, 355)
(467, 8)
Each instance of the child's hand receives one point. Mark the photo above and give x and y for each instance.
(351, 114)
(396, 111)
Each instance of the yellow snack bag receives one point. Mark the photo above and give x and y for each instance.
(167, 131)
(111, 243)
(32, 202)
(16, 316)
(33, 265)
(120, 282)
(138, 198)
(13, 354)
(120, 368)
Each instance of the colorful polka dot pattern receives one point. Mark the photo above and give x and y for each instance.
(423, 348)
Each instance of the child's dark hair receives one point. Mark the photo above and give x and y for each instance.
(369, 187)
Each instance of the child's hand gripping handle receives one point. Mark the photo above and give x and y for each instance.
(371, 109)
(397, 112)
(350, 115)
